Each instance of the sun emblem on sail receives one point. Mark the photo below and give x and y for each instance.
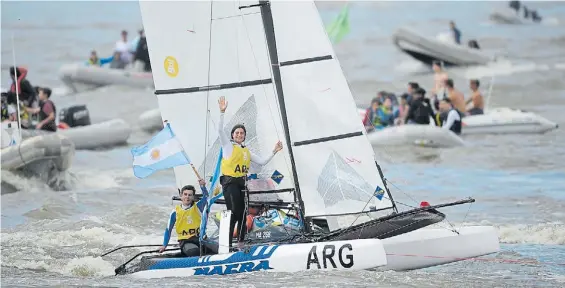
(171, 66)
(155, 154)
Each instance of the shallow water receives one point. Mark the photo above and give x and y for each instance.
(53, 238)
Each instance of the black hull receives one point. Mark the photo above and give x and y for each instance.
(390, 226)
(427, 59)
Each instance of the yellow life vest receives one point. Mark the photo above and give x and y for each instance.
(188, 222)
(23, 112)
(97, 63)
(5, 114)
(238, 163)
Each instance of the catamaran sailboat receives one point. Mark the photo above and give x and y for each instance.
(276, 67)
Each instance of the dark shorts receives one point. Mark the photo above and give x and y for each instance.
(190, 247)
(476, 111)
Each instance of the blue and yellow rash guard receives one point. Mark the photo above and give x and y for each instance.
(188, 219)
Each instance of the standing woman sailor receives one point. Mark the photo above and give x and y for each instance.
(236, 159)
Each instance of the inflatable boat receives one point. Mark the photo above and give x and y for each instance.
(80, 77)
(46, 157)
(419, 135)
(506, 121)
(74, 124)
(515, 13)
(151, 121)
(428, 50)
(106, 134)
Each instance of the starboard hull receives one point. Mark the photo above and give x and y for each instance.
(431, 247)
(333, 255)
(506, 121)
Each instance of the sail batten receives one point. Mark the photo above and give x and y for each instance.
(215, 87)
(306, 60)
(329, 138)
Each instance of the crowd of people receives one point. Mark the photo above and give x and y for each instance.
(125, 53)
(528, 13)
(445, 106)
(36, 110)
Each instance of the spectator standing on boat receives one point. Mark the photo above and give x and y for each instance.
(439, 90)
(456, 33)
(187, 217)
(450, 118)
(46, 111)
(476, 98)
(142, 52)
(124, 49)
(515, 5)
(25, 90)
(236, 160)
(455, 96)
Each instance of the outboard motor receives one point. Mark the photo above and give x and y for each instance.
(74, 116)
(473, 44)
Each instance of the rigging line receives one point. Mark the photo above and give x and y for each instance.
(233, 16)
(277, 131)
(358, 215)
(207, 142)
(465, 218)
(400, 190)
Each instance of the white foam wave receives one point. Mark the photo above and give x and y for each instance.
(505, 67)
(541, 234)
(410, 66)
(72, 253)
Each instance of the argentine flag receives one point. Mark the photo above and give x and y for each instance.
(163, 151)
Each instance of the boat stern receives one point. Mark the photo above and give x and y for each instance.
(431, 247)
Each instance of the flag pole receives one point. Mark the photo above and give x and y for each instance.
(17, 88)
(183, 151)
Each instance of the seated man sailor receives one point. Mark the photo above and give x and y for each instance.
(187, 217)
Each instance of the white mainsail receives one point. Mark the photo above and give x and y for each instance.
(203, 50)
(335, 176)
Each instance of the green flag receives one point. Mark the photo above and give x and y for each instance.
(340, 26)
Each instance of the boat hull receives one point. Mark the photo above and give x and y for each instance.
(106, 134)
(506, 121)
(80, 77)
(46, 157)
(418, 135)
(429, 50)
(335, 255)
(151, 121)
(431, 247)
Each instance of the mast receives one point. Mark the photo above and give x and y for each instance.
(269, 29)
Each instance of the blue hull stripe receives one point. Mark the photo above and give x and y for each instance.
(241, 256)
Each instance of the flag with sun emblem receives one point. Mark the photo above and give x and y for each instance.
(163, 151)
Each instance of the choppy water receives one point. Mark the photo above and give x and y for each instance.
(53, 238)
